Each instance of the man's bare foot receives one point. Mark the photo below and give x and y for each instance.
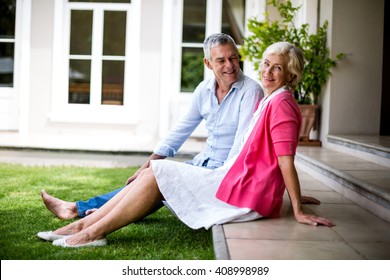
(62, 209)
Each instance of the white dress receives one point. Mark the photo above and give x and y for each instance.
(190, 190)
(190, 193)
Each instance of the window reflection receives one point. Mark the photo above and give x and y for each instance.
(114, 33)
(7, 42)
(81, 32)
(7, 18)
(192, 68)
(6, 64)
(80, 44)
(79, 81)
(194, 21)
(233, 19)
(112, 82)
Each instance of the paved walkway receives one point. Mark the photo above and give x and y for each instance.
(73, 158)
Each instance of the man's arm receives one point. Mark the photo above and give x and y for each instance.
(177, 135)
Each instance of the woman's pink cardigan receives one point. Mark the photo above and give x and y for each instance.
(255, 180)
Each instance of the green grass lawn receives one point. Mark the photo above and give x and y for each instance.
(160, 236)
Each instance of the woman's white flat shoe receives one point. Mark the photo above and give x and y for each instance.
(50, 236)
(96, 243)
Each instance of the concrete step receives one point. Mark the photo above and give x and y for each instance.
(373, 148)
(362, 180)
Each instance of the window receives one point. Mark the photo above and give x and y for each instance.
(194, 29)
(233, 19)
(98, 40)
(96, 61)
(7, 42)
(196, 17)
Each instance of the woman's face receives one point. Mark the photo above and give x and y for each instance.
(274, 73)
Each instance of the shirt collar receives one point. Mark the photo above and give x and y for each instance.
(237, 84)
(279, 90)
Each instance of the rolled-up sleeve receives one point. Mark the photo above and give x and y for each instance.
(285, 129)
(182, 130)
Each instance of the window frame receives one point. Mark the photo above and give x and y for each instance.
(95, 112)
(10, 97)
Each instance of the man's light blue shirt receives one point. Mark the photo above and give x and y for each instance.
(226, 122)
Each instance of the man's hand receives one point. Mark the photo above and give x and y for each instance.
(145, 165)
(132, 178)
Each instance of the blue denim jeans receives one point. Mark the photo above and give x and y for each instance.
(94, 202)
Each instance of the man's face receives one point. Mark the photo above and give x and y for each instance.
(225, 64)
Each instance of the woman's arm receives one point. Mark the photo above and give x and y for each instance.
(290, 177)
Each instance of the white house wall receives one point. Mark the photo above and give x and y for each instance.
(351, 101)
(40, 64)
(151, 32)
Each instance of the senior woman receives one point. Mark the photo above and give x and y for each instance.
(247, 187)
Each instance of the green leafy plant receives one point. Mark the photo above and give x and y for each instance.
(318, 61)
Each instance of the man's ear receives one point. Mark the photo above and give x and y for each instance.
(207, 63)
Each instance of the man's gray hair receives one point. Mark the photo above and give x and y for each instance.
(215, 40)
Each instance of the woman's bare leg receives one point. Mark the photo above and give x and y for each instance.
(98, 214)
(135, 204)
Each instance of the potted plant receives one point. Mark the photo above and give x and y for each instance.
(318, 61)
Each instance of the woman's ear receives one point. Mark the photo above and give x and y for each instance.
(291, 77)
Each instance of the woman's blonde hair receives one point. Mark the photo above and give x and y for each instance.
(295, 61)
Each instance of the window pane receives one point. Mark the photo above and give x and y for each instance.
(194, 21)
(192, 68)
(113, 80)
(81, 32)
(102, 1)
(233, 19)
(6, 64)
(7, 18)
(79, 81)
(114, 33)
